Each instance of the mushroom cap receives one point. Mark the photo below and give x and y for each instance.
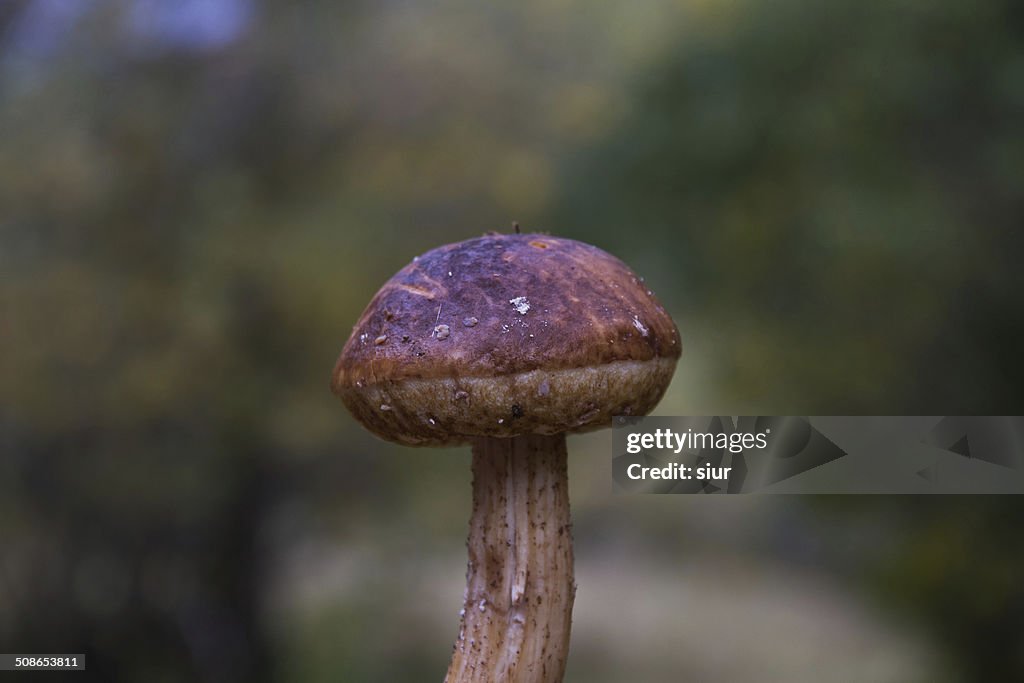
(505, 335)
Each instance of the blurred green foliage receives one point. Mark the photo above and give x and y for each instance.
(839, 184)
(196, 203)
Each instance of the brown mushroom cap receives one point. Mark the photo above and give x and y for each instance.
(506, 335)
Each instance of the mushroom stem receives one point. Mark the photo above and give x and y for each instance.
(519, 581)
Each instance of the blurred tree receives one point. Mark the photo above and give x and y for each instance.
(836, 186)
(834, 190)
(140, 381)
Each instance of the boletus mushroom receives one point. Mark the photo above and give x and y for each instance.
(509, 342)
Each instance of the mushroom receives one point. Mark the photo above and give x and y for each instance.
(509, 342)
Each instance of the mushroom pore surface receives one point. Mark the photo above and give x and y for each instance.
(505, 335)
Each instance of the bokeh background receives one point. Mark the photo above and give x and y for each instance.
(197, 198)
